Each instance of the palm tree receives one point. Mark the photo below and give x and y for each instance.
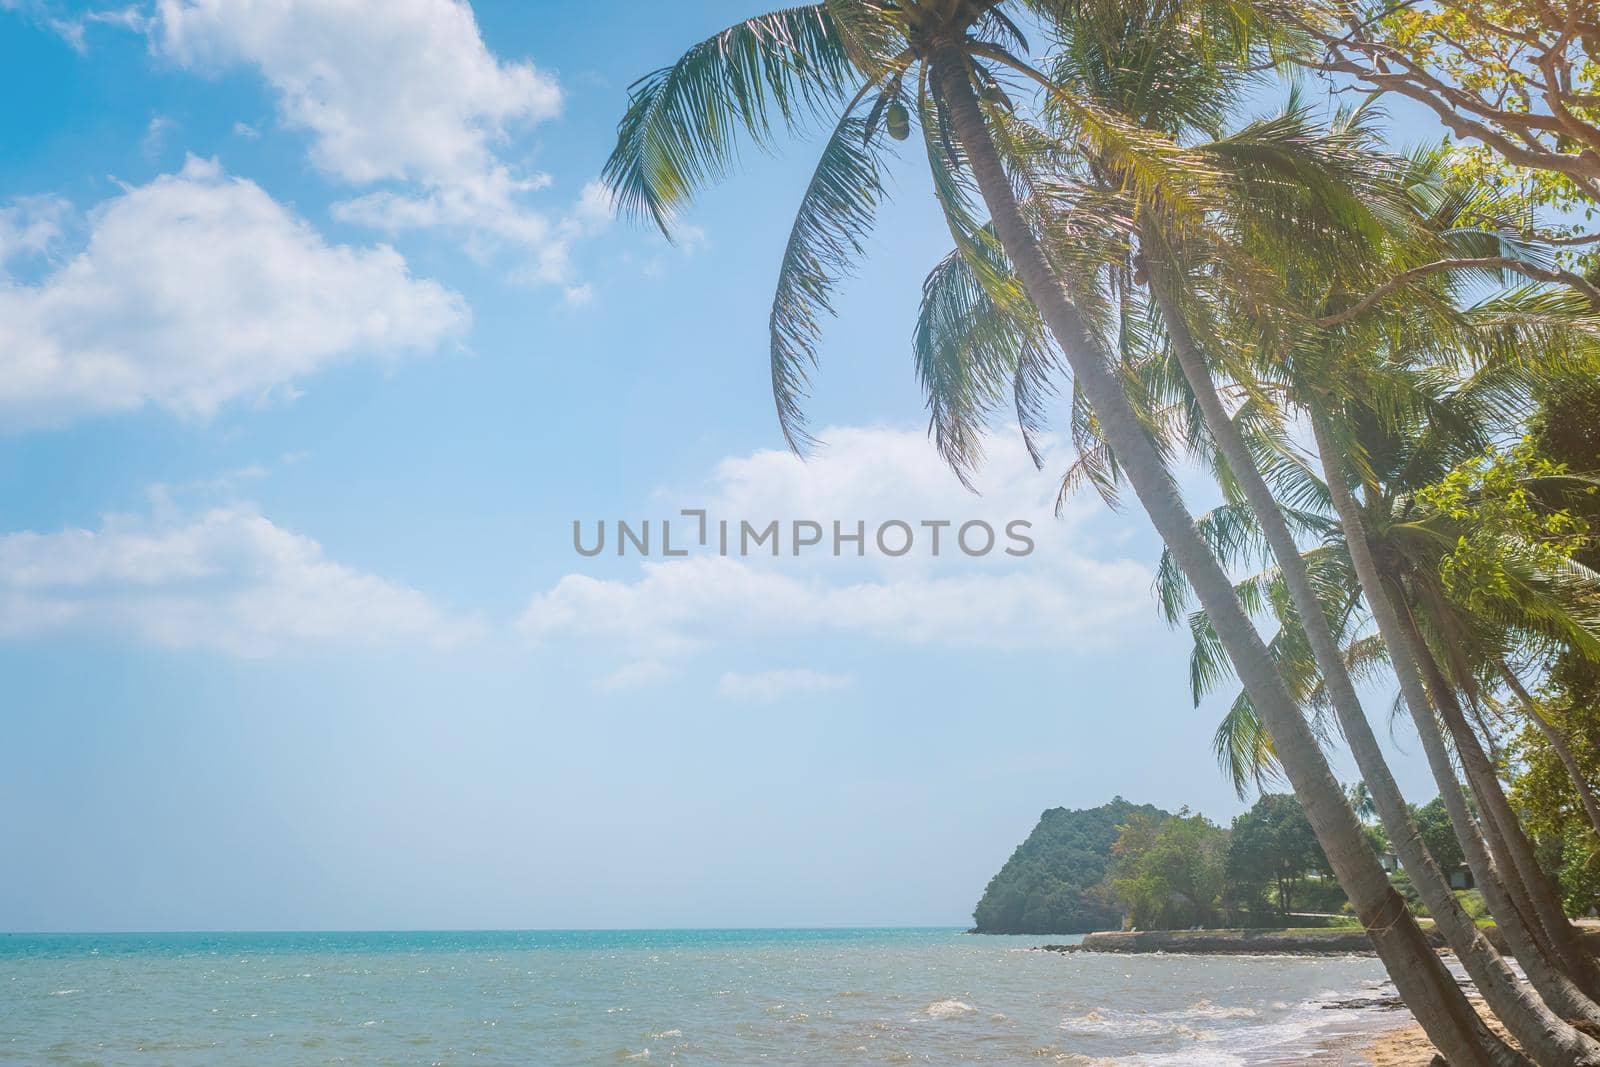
(1409, 544)
(1416, 540)
(1447, 640)
(949, 58)
(1181, 261)
(1178, 259)
(1499, 825)
(1361, 801)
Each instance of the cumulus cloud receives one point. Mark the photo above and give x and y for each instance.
(1071, 591)
(195, 290)
(72, 26)
(31, 226)
(676, 606)
(636, 675)
(227, 579)
(398, 93)
(772, 685)
(389, 89)
(156, 135)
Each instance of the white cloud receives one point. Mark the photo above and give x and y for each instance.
(775, 684)
(876, 473)
(226, 579)
(636, 675)
(1069, 593)
(677, 605)
(72, 29)
(389, 89)
(401, 92)
(156, 135)
(198, 289)
(31, 226)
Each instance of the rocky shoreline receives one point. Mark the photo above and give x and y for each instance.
(1335, 942)
(1224, 942)
(1400, 1043)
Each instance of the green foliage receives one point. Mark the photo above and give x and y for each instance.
(1433, 822)
(1402, 885)
(1265, 248)
(1565, 431)
(1473, 904)
(1545, 798)
(1088, 870)
(1507, 528)
(1171, 873)
(1052, 884)
(1273, 849)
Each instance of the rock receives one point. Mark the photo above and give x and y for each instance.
(1386, 1003)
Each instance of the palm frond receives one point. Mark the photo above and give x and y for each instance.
(683, 124)
(971, 351)
(834, 215)
(1244, 749)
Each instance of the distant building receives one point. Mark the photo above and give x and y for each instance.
(1390, 861)
(1461, 878)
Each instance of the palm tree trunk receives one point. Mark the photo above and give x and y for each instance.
(1554, 985)
(1542, 1034)
(1563, 751)
(1507, 840)
(1423, 982)
(1482, 845)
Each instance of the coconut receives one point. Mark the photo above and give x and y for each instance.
(899, 121)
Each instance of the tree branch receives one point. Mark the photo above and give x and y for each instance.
(1404, 278)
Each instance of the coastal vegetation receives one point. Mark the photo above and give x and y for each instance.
(1055, 881)
(1123, 865)
(1387, 360)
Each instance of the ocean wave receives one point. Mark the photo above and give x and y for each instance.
(948, 1009)
(1204, 1009)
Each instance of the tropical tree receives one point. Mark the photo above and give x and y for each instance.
(1416, 542)
(1518, 78)
(1434, 822)
(1181, 267)
(948, 58)
(1273, 845)
(1542, 792)
(1501, 859)
(1170, 873)
(1404, 540)
(1273, 176)
(1159, 251)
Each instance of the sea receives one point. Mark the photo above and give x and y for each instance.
(827, 997)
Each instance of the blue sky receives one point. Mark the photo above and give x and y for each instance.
(317, 337)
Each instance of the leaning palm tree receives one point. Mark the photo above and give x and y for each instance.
(871, 64)
(1323, 201)
(1430, 309)
(1448, 635)
(1408, 544)
(1277, 176)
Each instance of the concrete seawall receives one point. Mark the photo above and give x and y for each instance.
(1257, 942)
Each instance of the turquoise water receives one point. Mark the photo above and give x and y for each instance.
(715, 996)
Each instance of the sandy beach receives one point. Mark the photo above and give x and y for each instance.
(1405, 1046)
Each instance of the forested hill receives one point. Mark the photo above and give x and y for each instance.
(1052, 884)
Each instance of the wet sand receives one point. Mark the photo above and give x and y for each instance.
(1405, 1046)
